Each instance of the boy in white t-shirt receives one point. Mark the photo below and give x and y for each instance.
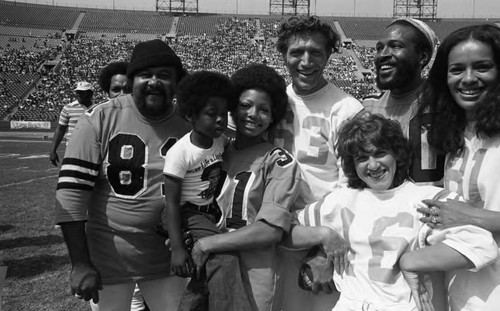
(192, 172)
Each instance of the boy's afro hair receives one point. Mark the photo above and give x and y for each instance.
(196, 88)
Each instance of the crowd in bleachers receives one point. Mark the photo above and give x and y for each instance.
(270, 26)
(81, 61)
(231, 47)
(366, 55)
(117, 36)
(23, 61)
(19, 72)
(32, 34)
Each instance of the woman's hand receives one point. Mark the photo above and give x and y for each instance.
(447, 214)
(336, 249)
(421, 289)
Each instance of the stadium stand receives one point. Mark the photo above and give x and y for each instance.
(362, 28)
(120, 21)
(444, 27)
(198, 25)
(39, 66)
(36, 16)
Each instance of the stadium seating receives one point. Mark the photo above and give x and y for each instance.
(31, 34)
(444, 27)
(36, 16)
(125, 22)
(198, 25)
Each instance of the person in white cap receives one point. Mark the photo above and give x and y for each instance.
(70, 114)
(405, 48)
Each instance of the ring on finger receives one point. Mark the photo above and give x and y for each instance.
(434, 219)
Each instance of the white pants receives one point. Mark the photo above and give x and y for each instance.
(160, 295)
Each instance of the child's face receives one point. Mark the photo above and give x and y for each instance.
(376, 167)
(253, 114)
(211, 120)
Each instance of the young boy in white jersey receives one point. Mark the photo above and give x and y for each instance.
(192, 171)
(376, 216)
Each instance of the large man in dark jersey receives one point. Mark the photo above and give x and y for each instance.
(404, 49)
(110, 195)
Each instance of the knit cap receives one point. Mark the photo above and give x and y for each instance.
(152, 53)
(421, 27)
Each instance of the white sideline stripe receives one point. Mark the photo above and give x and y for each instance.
(37, 156)
(26, 181)
(9, 155)
(25, 141)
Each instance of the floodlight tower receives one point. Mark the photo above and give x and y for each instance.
(421, 9)
(177, 6)
(289, 7)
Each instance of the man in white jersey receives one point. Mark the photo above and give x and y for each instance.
(110, 194)
(403, 51)
(70, 114)
(309, 129)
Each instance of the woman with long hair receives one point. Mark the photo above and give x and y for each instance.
(462, 93)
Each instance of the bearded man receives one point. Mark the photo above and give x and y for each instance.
(403, 51)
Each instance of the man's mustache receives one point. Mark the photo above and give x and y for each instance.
(154, 89)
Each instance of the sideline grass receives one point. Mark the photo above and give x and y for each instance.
(35, 253)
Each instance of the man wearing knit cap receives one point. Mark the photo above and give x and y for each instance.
(109, 194)
(405, 48)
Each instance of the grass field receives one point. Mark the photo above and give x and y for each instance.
(33, 250)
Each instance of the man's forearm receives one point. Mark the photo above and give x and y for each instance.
(173, 223)
(256, 235)
(305, 237)
(439, 257)
(76, 240)
(58, 136)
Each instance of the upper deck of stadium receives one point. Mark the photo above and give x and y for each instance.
(35, 17)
